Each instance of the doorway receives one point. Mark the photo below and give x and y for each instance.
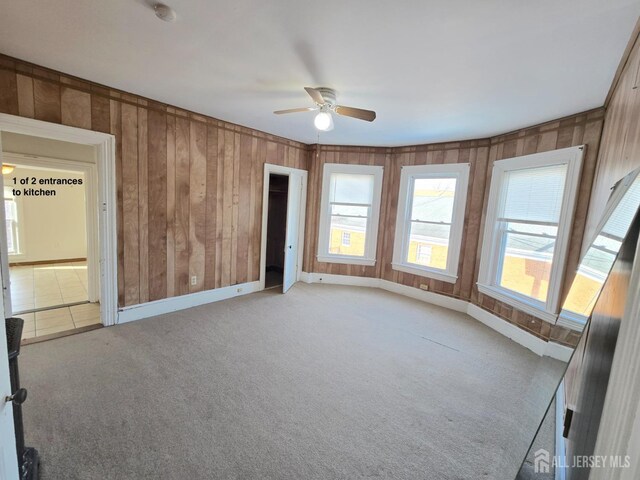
(283, 212)
(48, 188)
(98, 179)
(276, 229)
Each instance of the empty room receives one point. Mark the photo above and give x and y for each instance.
(249, 240)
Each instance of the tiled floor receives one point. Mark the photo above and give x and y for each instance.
(58, 320)
(41, 286)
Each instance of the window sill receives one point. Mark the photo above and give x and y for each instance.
(346, 259)
(425, 272)
(527, 307)
(572, 321)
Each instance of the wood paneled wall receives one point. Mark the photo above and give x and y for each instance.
(620, 151)
(189, 187)
(579, 129)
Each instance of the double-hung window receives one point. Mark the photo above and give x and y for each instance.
(430, 219)
(349, 215)
(527, 229)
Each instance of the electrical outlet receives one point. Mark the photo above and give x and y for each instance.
(424, 286)
(239, 289)
(194, 280)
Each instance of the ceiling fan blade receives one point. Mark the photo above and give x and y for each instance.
(295, 110)
(315, 94)
(359, 113)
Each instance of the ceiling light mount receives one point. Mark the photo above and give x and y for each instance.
(329, 96)
(165, 13)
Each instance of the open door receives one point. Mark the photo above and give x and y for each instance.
(296, 195)
(291, 246)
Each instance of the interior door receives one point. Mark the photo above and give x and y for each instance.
(291, 246)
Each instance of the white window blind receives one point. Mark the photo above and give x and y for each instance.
(352, 189)
(534, 194)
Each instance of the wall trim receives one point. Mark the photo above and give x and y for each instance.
(183, 302)
(531, 342)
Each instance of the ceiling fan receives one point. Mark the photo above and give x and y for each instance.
(325, 100)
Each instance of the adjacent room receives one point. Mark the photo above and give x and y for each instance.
(292, 241)
(49, 226)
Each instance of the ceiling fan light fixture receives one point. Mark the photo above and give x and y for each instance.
(323, 121)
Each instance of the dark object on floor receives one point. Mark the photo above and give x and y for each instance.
(28, 459)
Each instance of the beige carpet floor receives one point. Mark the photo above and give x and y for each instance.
(324, 382)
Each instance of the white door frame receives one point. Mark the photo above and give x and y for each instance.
(105, 199)
(90, 172)
(286, 171)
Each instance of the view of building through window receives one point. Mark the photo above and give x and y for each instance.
(430, 221)
(351, 198)
(528, 228)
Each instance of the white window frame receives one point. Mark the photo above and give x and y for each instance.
(487, 278)
(403, 221)
(371, 235)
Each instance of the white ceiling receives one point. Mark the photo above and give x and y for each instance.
(434, 70)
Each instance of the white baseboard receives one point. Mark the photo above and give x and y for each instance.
(559, 352)
(527, 340)
(425, 296)
(173, 304)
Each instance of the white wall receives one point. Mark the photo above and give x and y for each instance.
(52, 228)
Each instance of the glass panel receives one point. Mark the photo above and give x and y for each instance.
(585, 295)
(433, 199)
(590, 277)
(621, 218)
(526, 264)
(350, 210)
(534, 194)
(428, 245)
(597, 262)
(347, 188)
(356, 228)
